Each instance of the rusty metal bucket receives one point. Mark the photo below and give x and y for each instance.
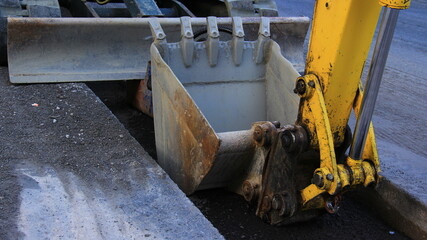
(210, 99)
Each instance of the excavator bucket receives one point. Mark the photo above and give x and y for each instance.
(216, 108)
(97, 49)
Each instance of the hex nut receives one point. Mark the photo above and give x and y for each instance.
(300, 87)
(318, 180)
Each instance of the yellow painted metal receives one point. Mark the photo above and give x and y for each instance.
(344, 173)
(363, 172)
(309, 193)
(369, 172)
(313, 99)
(397, 4)
(341, 35)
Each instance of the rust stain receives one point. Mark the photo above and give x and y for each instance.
(198, 142)
(24, 32)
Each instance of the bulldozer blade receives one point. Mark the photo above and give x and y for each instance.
(42, 50)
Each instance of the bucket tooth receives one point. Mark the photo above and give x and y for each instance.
(159, 36)
(237, 43)
(187, 41)
(263, 38)
(212, 43)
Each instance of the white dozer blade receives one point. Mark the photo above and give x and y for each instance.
(43, 50)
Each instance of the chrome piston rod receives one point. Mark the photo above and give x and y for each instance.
(379, 58)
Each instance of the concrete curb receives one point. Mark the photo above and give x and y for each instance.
(396, 207)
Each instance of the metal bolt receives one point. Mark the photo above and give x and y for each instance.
(286, 141)
(248, 190)
(258, 135)
(277, 202)
(280, 204)
(276, 124)
(300, 87)
(262, 134)
(294, 138)
(311, 84)
(330, 177)
(318, 180)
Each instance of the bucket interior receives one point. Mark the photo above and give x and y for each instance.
(231, 97)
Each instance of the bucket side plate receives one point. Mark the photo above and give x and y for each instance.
(186, 143)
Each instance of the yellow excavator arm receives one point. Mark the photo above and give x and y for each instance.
(341, 36)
